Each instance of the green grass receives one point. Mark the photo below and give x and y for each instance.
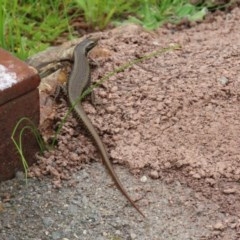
(152, 16)
(25, 124)
(149, 13)
(99, 13)
(29, 26)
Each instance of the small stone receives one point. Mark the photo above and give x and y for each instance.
(223, 80)
(114, 89)
(143, 179)
(200, 209)
(102, 94)
(167, 164)
(179, 163)
(229, 190)
(48, 221)
(211, 181)
(154, 174)
(104, 234)
(233, 225)
(133, 235)
(56, 235)
(73, 209)
(219, 226)
(197, 176)
(118, 232)
(111, 109)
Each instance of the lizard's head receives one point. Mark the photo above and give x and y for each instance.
(90, 43)
(86, 45)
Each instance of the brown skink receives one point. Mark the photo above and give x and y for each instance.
(78, 82)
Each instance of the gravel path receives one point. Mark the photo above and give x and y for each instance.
(94, 209)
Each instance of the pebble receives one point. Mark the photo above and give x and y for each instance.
(73, 209)
(154, 174)
(56, 235)
(219, 226)
(229, 190)
(114, 89)
(111, 109)
(197, 176)
(143, 179)
(223, 80)
(211, 181)
(48, 221)
(133, 236)
(118, 232)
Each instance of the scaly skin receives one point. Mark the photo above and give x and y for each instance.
(77, 83)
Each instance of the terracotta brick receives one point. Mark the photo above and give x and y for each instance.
(19, 97)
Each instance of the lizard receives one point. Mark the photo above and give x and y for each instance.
(77, 83)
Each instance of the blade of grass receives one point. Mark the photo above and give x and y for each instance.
(18, 144)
